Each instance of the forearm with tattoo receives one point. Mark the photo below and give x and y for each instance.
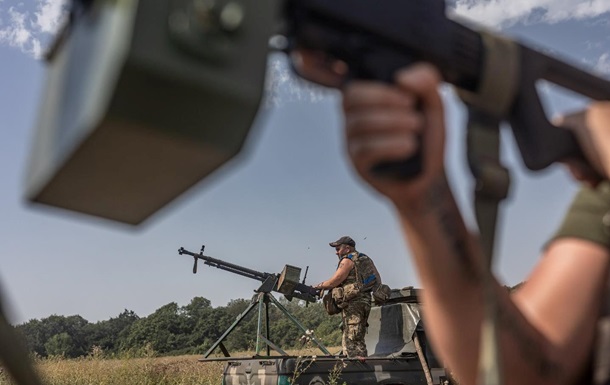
(439, 203)
(437, 228)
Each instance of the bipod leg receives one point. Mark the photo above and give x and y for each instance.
(264, 299)
(261, 302)
(296, 322)
(267, 326)
(229, 330)
(274, 346)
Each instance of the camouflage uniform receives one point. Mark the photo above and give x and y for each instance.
(355, 317)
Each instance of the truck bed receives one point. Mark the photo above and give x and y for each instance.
(328, 370)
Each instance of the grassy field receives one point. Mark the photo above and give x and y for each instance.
(183, 370)
(96, 370)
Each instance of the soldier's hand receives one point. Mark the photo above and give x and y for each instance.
(592, 129)
(389, 122)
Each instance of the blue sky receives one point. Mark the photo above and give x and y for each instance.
(280, 202)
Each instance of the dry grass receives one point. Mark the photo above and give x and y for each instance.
(96, 370)
(183, 370)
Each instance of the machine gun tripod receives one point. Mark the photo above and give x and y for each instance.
(286, 283)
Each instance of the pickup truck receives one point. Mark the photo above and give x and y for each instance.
(398, 355)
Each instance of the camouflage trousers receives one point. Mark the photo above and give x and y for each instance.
(355, 317)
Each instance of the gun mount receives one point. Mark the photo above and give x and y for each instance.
(286, 283)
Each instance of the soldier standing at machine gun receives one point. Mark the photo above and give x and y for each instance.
(355, 305)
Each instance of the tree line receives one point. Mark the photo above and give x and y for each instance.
(176, 330)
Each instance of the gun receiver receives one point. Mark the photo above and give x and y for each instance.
(496, 76)
(287, 282)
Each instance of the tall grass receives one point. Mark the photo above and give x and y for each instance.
(182, 370)
(141, 368)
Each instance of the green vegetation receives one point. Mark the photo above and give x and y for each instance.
(173, 330)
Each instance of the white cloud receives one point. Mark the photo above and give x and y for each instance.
(16, 32)
(603, 64)
(26, 29)
(49, 15)
(504, 13)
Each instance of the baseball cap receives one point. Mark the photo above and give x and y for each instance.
(345, 240)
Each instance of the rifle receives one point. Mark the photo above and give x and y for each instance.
(168, 92)
(286, 283)
(494, 76)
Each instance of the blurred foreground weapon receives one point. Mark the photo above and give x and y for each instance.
(14, 356)
(286, 283)
(146, 98)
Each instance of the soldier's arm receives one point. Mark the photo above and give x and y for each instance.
(546, 330)
(345, 266)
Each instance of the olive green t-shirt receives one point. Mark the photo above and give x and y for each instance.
(589, 216)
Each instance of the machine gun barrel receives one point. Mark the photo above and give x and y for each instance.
(286, 282)
(220, 264)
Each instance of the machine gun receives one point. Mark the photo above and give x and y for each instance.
(286, 283)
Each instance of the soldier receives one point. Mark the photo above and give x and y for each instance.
(355, 305)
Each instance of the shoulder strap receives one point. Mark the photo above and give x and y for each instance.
(348, 256)
(355, 258)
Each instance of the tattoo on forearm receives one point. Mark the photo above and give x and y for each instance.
(528, 347)
(440, 203)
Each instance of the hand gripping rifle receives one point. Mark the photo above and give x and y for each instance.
(286, 283)
(495, 76)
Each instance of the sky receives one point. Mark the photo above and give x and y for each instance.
(279, 202)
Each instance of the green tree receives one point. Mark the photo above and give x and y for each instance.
(38, 333)
(178, 330)
(164, 329)
(34, 336)
(61, 345)
(107, 334)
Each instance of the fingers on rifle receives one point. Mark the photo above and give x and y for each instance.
(583, 172)
(364, 95)
(382, 123)
(424, 79)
